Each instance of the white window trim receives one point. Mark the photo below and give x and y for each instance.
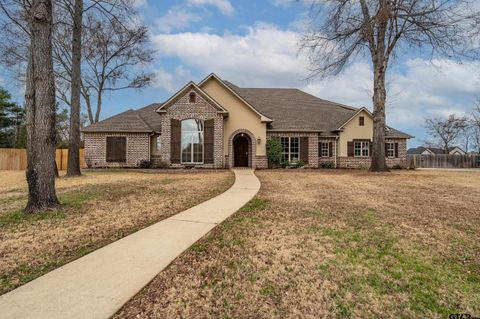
(362, 148)
(203, 144)
(322, 144)
(392, 144)
(289, 147)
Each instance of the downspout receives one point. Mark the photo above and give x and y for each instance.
(336, 151)
(150, 146)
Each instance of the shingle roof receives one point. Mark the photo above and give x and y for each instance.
(141, 120)
(290, 110)
(434, 150)
(295, 110)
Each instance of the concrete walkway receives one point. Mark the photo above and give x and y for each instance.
(97, 285)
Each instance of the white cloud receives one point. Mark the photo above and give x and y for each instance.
(224, 6)
(176, 19)
(263, 56)
(266, 56)
(139, 3)
(172, 82)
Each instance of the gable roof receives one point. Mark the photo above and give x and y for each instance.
(295, 110)
(128, 121)
(434, 150)
(283, 109)
(226, 85)
(183, 90)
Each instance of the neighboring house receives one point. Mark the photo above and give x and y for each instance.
(454, 150)
(216, 124)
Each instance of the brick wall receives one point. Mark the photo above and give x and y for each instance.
(95, 149)
(331, 158)
(364, 162)
(312, 144)
(202, 110)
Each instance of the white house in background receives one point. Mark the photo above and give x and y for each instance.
(454, 150)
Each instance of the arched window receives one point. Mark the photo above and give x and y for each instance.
(192, 97)
(192, 141)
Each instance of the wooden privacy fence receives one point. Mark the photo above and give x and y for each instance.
(443, 161)
(16, 159)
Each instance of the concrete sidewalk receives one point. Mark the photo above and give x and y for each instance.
(97, 285)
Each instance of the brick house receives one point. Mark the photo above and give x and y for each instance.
(216, 124)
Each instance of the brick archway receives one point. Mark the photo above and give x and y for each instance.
(251, 147)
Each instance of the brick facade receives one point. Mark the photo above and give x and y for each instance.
(138, 149)
(182, 109)
(312, 144)
(364, 162)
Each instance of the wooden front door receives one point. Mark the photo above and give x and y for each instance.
(240, 151)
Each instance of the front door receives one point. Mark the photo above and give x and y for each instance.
(240, 151)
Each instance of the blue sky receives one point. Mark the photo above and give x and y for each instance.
(255, 43)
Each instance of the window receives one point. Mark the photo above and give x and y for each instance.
(290, 149)
(192, 141)
(390, 149)
(157, 143)
(116, 149)
(361, 149)
(361, 121)
(325, 149)
(192, 97)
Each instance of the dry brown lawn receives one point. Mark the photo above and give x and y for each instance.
(345, 244)
(98, 208)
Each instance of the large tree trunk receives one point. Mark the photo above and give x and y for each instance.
(73, 168)
(378, 163)
(40, 104)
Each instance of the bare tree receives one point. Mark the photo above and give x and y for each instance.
(445, 132)
(73, 168)
(112, 65)
(40, 108)
(114, 54)
(475, 126)
(342, 29)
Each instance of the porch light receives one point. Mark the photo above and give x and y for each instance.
(259, 140)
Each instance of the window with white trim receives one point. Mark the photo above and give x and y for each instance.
(361, 149)
(325, 149)
(192, 141)
(390, 149)
(290, 149)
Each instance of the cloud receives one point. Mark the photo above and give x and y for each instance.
(172, 82)
(139, 3)
(264, 55)
(176, 18)
(224, 6)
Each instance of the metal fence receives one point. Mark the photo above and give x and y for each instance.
(16, 159)
(443, 161)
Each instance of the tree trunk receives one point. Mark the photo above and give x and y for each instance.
(40, 104)
(378, 163)
(73, 168)
(99, 103)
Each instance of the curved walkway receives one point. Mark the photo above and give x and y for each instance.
(98, 284)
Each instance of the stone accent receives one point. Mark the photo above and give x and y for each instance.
(138, 149)
(182, 109)
(364, 162)
(252, 149)
(312, 144)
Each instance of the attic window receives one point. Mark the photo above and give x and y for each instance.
(361, 121)
(192, 97)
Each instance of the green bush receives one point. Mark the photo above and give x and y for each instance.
(274, 152)
(328, 164)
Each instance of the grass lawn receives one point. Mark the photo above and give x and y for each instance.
(346, 244)
(98, 208)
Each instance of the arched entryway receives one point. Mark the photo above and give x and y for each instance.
(241, 150)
